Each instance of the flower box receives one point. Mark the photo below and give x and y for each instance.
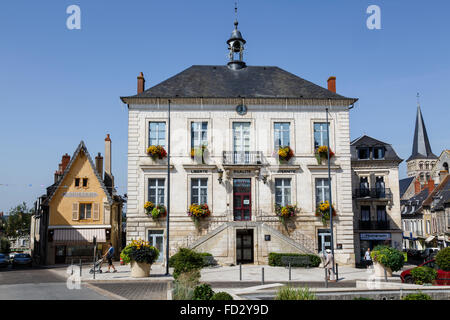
(156, 152)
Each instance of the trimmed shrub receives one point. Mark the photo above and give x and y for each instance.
(203, 292)
(208, 259)
(289, 293)
(423, 275)
(417, 296)
(275, 260)
(221, 296)
(443, 259)
(185, 260)
(388, 257)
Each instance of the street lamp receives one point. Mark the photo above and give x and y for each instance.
(168, 188)
(329, 191)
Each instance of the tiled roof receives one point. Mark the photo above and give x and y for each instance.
(203, 81)
(404, 185)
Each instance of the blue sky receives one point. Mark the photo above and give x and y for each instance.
(60, 86)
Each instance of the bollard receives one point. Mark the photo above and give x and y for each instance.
(262, 282)
(71, 267)
(326, 278)
(81, 267)
(290, 272)
(385, 276)
(337, 272)
(240, 271)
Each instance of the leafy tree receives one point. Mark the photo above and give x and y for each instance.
(4, 246)
(19, 221)
(443, 259)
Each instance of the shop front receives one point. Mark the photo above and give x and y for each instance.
(371, 240)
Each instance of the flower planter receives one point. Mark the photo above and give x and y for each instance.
(379, 270)
(140, 269)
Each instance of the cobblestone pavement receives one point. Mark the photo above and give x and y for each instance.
(135, 290)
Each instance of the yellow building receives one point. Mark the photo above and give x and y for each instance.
(81, 205)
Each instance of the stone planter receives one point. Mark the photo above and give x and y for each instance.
(379, 270)
(140, 269)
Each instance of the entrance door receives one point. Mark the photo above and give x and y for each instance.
(324, 240)
(156, 239)
(60, 254)
(244, 246)
(242, 199)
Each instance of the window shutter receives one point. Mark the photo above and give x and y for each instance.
(96, 211)
(75, 215)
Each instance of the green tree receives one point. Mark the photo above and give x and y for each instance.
(19, 221)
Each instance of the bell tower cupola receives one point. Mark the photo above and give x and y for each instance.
(236, 47)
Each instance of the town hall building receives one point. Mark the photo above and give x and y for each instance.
(248, 173)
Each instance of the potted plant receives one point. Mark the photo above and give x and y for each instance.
(141, 255)
(198, 153)
(321, 154)
(286, 212)
(386, 259)
(156, 152)
(285, 154)
(323, 211)
(198, 211)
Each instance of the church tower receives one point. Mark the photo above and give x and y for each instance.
(422, 159)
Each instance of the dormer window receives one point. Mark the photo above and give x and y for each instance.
(363, 153)
(378, 153)
(77, 182)
(85, 182)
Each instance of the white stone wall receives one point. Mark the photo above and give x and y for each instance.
(220, 119)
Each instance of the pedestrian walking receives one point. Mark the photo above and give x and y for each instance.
(109, 256)
(329, 266)
(368, 258)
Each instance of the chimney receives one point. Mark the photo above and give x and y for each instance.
(99, 165)
(430, 186)
(417, 186)
(140, 83)
(332, 84)
(64, 162)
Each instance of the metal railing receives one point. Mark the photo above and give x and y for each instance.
(242, 157)
(373, 193)
(374, 225)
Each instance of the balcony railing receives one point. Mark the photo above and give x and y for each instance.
(373, 193)
(374, 225)
(242, 157)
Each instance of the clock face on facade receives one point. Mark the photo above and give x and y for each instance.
(241, 109)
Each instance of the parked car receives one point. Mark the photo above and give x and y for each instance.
(4, 260)
(22, 259)
(443, 277)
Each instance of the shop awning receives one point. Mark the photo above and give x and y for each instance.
(430, 238)
(79, 235)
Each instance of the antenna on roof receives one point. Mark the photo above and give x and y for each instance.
(236, 14)
(418, 99)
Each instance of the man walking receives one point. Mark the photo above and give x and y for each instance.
(368, 258)
(109, 256)
(329, 266)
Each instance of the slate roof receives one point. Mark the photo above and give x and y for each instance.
(404, 185)
(366, 141)
(207, 81)
(421, 145)
(439, 196)
(81, 148)
(412, 206)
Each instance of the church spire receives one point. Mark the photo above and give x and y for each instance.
(236, 46)
(421, 145)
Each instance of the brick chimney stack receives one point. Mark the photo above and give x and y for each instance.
(332, 84)
(430, 185)
(140, 83)
(64, 162)
(99, 165)
(417, 186)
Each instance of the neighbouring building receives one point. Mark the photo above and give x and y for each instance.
(80, 205)
(376, 195)
(239, 116)
(440, 169)
(20, 244)
(414, 229)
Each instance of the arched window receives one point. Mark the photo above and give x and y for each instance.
(445, 165)
(427, 165)
(421, 165)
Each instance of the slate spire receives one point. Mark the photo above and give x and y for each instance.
(421, 145)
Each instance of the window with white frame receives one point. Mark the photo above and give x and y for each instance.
(199, 134)
(85, 211)
(281, 132)
(322, 190)
(157, 134)
(320, 134)
(199, 191)
(283, 191)
(156, 191)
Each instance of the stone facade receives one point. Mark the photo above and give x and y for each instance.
(217, 233)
